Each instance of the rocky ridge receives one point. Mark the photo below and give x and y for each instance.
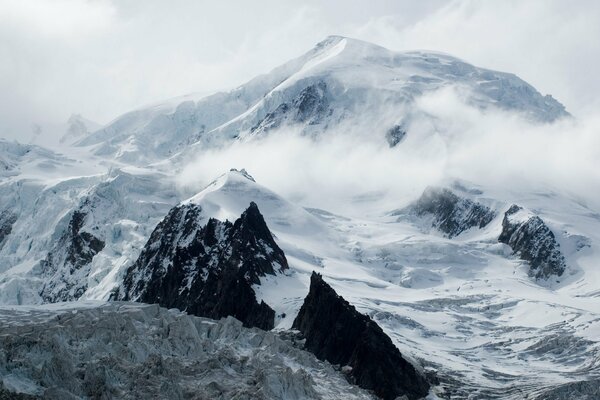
(335, 331)
(450, 213)
(530, 238)
(207, 267)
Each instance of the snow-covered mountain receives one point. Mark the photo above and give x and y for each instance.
(339, 81)
(488, 290)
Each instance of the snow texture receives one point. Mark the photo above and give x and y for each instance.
(528, 236)
(131, 351)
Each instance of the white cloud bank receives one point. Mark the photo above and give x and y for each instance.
(496, 149)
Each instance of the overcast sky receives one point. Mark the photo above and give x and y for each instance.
(101, 58)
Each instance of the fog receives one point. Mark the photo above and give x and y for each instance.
(351, 166)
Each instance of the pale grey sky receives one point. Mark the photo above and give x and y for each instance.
(101, 58)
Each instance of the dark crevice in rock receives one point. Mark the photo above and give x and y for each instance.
(207, 268)
(533, 241)
(335, 331)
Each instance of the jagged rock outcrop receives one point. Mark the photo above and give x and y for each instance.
(335, 331)
(207, 268)
(67, 265)
(309, 107)
(395, 135)
(7, 220)
(533, 241)
(451, 213)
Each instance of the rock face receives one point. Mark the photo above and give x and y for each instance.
(336, 332)
(207, 268)
(451, 214)
(139, 351)
(309, 107)
(533, 241)
(67, 264)
(395, 135)
(7, 219)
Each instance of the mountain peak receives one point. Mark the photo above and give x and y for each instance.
(243, 173)
(338, 80)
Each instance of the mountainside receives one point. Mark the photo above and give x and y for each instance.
(494, 301)
(207, 268)
(340, 82)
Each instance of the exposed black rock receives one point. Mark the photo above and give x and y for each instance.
(7, 220)
(395, 135)
(309, 107)
(67, 264)
(335, 331)
(207, 268)
(452, 214)
(533, 241)
(311, 104)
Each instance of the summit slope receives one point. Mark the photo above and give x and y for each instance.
(341, 80)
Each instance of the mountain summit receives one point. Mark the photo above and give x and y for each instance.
(340, 80)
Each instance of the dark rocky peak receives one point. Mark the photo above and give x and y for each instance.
(451, 214)
(253, 244)
(335, 331)
(530, 238)
(68, 262)
(207, 268)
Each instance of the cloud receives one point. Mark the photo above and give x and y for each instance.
(349, 168)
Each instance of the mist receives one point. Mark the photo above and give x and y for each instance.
(352, 169)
